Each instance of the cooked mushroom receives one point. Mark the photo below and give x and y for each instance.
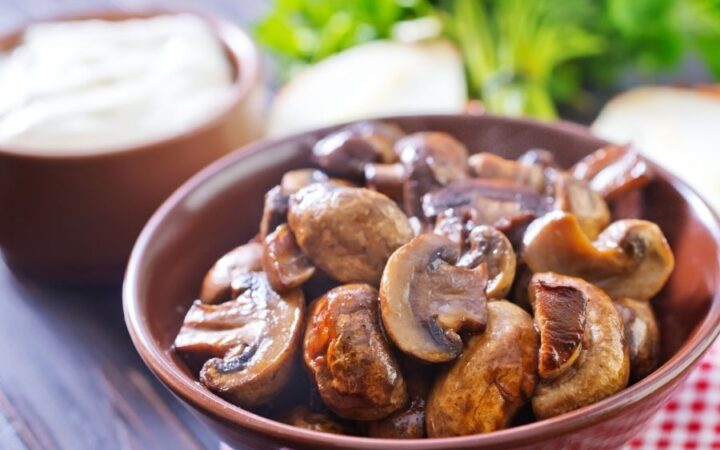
(491, 247)
(349, 233)
(251, 341)
(275, 211)
(294, 180)
(217, 285)
(284, 263)
(630, 258)
(409, 422)
(613, 171)
(603, 365)
(387, 179)
(426, 300)
(576, 197)
(345, 152)
(490, 381)
(642, 336)
(304, 417)
(538, 156)
(346, 353)
(559, 314)
(498, 203)
(487, 165)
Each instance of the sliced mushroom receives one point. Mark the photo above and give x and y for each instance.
(490, 381)
(642, 335)
(603, 366)
(559, 312)
(304, 417)
(217, 285)
(251, 341)
(613, 171)
(455, 224)
(349, 233)
(275, 211)
(491, 247)
(284, 263)
(576, 197)
(345, 152)
(487, 165)
(426, 301)
(498, 203)
(631, 258)
(409, 422)
(346, 353)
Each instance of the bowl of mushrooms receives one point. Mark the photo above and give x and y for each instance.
(428, 282)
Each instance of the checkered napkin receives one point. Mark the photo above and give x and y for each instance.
(691, 419)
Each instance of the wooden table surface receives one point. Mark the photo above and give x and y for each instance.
(70, 377)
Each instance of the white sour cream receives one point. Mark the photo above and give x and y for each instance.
(90, 85)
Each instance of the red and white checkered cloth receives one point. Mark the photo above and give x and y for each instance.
(691, 419)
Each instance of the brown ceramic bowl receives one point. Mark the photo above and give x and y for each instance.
(74, 217)
(220, 208)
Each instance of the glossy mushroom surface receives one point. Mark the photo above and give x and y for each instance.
(630, 258)
(347, 232)
(284, 263)
(575, 197)
(488, 165)
(603, 366)
(303, 417)
(613, 170)
(217, 284)
(642, 335)
(348, 357)
(426, 301)
(249, 343)
(493, 378)
(490, 247)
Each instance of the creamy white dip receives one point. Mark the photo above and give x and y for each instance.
(91, 85)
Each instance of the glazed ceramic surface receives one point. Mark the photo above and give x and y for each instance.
(220, 208)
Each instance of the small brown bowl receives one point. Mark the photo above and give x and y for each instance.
(74, 217)
(220, 208)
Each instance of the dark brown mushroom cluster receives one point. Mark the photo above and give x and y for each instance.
(403, 288)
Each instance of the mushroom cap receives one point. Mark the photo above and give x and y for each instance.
(630, 258)
(491, 247)
(574, 196)
(613, 170)
(483, 389)
(217, 284)
(349, 233)
(426, 301)
(252, 341)
(603, 366)
(559, 314)
(642, 336)
(284, 263)
(488, 165)
(303, 417)
(348, 356)
(275, 209)
(294, 180)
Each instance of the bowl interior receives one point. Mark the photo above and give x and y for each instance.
(221, 207)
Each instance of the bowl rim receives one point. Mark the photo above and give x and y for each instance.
(235, 42)
(157, 358)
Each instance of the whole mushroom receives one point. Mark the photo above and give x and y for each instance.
(600, 368)
(630, 258)
(494, 377)
(426, 300)
(348, 357)
(249, 343)
(349, 233)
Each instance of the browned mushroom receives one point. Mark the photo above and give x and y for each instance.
(491, 247)
(294, 180)
(217, 285)
(409, 422)
(347, 151)
(349, 233)
(346, 353)
(540, 157)
(498, 203)
(426, 300)
(488, 165)
(559, 313)
(603, 366)
(304, 417)
(284, 263)
(275, 211)
(631, 258)
(251, 341)
(575, 197)
(613, 171)
(490, 381)
(642, 335)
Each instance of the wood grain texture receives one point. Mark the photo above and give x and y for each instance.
(70, 377)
